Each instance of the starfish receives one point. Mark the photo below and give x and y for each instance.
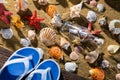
(34, 20)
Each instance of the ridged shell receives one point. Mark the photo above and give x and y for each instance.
(93, 3)
(91, 16)
(117, 76)
(55, 52)
(105, 64)
(113, 48)
(25, 42)
(100, 7)
(71, 66)
(97, 74)
(51, 9)
(74, 55)
(47, 36)
(64, 43)
(31, 34)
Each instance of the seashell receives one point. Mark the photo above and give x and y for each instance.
(43, 2)
(47, 36)
(87, 1)
(117, 76)
(6, 33)
(112, 24)
(118, 65)
(73, 55)
(55, 52)
(100, 7)
(102, 21)
(92, 56)
(116, 31)
(93, 3)
(99, 41)
(97, 74)
(21, 5)
(64, 43)
(105, 64)
(91, 16)
(56, 20)
(25, 42)
(40, 51)
(71, 66)
(3, 1)
(113, 48)
(75, 10)
(78, 49)
(51, 9)
(31, 34)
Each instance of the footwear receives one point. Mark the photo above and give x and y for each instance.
(46, 70)
(20, 63)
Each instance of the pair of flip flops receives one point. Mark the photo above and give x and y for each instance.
(26, 60)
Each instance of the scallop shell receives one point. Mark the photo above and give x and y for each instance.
(105, 64)
(64, 43)
(102, 21)
(47, 36)
(91, 16)
(31, 34)
(51, 9)
(73, 55)
(113, 48)
(25, 42)
(41, 52)
(6, 33)
(100, 7)
(71, 66)
(112, 24)
(55, 52)
(93, 3)
(43, 2)
(118, 65)
(117, 76)
(97, 74)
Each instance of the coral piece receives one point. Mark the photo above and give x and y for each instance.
(74, 55)
(71, 66)
(25, 42)
(100, 7)
(48, 36)
(64, 43)
(105, 64)
(31, 34)
(93, 3)
(102, 21)
(117, 76)
(51, 10)
(91, 16)
(113, 48)
(55, 52)
(34, 20)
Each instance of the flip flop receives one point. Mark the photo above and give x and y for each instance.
(46, 70)
(20, 63)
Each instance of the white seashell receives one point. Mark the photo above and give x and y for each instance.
(64, 43)
(92, 56)
(70, 66)
(91, 16)
(117, 76)
(73, 31)
(93, 3)
(105, 64)
(43, 2)
(116, 31)
(113, 48)
(23, 6)
(31, 34)
(25, 42)
(75, 10)
(102, 21)
(47, 36)
(99, 41)
(74, 55)
(6, 33)
(118, 65)
(41, 52)
(100, 7)
(112, 24)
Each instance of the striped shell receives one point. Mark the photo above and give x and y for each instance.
(70, 66)
(55, 52)
(97, 74)
(47, 36)
(51, 9)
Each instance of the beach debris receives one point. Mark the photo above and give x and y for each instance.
(42, 2)
(113, 48)
(71, 66)
(16, 21)
(91, 16)
(102, 21)
(75, 10)
(97, 74)
(48, 36)
(40, 50)
(118, 65)
(93, 3)
(25, 42)
(99, 41)
(21, 5)
(3, 1)
(105, 64)
(56, 52)
(74, 55)
(6, 33)
(31, 34)
(112, 24)
(51, 10)
(117, 76)
(34, 20)
(92, 56)
(64, 43)
(100, 7)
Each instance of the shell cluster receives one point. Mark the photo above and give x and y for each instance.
(71, 66)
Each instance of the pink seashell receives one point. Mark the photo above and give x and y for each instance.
(93, 3)
(74, 55)
(31, 34)
(47, 36)
(64, 43)
(118, 76)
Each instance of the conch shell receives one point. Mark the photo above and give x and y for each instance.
(74, 55)
(100, 7)
(71, 66)
(51, 10)
(113, 48)
(31, 34)
(91, 16)
(64, 43)
(47, 36)
(25, 42)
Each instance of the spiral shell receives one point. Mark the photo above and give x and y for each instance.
(47, 36)
(113, 48)
(51, 9)
(74, 55)
(64, 43)
(25, 42)
(55, 52)
(31, 34)
(91, 16)
(93, 3)
(117, 76)
(100, 7)
(71, 66)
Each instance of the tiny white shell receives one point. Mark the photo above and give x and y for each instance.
(91, 16)
(105, 64)
(112, 24)
(43, 2)
(74, 55)
(113, 48)
(64, 43)
(100, 7)
(25, 42)
(118, 65)
(31, 34)
(102, 21)
(71, 66)
(41, 52)
(117, 76)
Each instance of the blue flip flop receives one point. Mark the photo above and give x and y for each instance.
(46, 70)
(20, 63)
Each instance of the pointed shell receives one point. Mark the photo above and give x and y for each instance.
(64, 43)
(117, 76)
(74, 55)
(105, 64)
(100, 7)
(47, 36)
(71, 66)
(25, 42)
(91, 16)
(113, 48)
(31, 34)
(93, 3)
(55, 52)
(43, 2)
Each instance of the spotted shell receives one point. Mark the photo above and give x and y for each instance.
(91, 16)
(113, 48)
(93, 3)
(55, 52)
(74, 55)
(117, 76)
(25, 42)
(47, 36)
(43, 2)
(31, 34)
(71, 66)
(100, 7)
(51, 9)
(64, 43)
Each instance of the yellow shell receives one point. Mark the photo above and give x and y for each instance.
(55, 52)
(48, 36)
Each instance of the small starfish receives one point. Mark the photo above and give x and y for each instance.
(34, 20)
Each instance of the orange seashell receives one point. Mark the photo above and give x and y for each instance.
(51, 9)
(55, 52)
(97, 74)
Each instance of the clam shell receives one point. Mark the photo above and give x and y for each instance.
(113, 48)
(25, 42)
(117, 76)
(47, 36)
(64, 43)
(74, 55)
(100, 7)
(43, 2)
(31, 34)
(105, 64)
(102, 21)
(71, 66)
(91, 16)
(93, 3)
